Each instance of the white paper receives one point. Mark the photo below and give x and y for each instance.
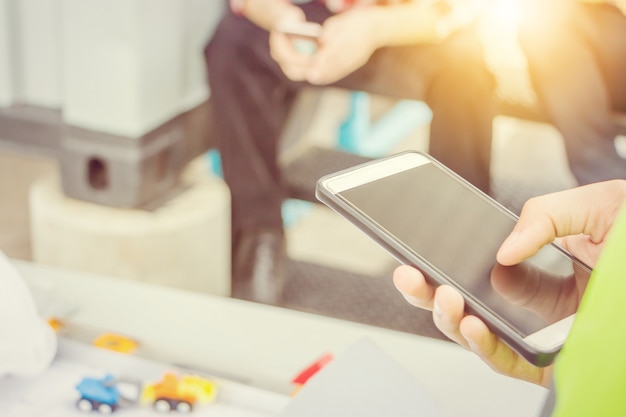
(363, 381)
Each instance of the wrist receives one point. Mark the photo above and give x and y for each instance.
(379, 20)
(266, 14)
(287, 12)
(405, 24)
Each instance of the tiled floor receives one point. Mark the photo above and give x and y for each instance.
(528, 159)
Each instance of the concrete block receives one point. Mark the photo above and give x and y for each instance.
(183, 243)
(121, 171)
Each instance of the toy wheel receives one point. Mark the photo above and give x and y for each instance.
(84, 405)
(105, 409)
(162, 406)
(183, 407)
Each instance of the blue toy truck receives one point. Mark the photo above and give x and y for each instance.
(102, 394)
(99, 394)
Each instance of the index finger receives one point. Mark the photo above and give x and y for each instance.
(589, 209)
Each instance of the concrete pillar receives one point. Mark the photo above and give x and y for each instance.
(38, 28)
(123, 64)
(123, 86)
(121, 76)
(201, 17)
(184, 243)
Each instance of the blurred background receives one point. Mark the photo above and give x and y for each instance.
(106, 163)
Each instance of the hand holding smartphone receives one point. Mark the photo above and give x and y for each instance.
(428, 217)
(303, 35)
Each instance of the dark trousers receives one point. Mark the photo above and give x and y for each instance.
(251, 99)
(577, 60)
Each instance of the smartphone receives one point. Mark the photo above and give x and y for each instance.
(303, 35)
(427, 216)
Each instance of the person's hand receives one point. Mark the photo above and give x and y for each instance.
(293, 63)
(579, 219)
(582, 217)
(346, 44)
(469, 331)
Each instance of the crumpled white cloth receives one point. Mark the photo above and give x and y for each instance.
(27, 343)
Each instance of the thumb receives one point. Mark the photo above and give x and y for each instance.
(533, 230)
(589, 210)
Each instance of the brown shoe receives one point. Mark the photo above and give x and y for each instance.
(259, 265)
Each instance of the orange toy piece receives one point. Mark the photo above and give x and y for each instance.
(180, 394)
(55, 323)
(116, 343)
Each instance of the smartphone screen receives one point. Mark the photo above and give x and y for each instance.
(457, 231)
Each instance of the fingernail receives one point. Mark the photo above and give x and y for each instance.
(412, 300)
(509, 241)
(471, 345)
(511, 238)
(436, 309)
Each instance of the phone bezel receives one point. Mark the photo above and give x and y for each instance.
(539, 348)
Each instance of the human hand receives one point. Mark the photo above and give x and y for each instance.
(346, 43)
(469, 331)
(582, 217)
(293, 62)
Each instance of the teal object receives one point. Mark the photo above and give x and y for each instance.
(305, 46)
(356, 127)
(294, 210)
(358, 135)
(215, 162)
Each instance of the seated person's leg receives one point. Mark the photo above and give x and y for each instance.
(248, 110)
(577, 62)
(461, 96)
(250, 101)
(251, 98)
(454, 81)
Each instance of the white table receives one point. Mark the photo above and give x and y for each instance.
(265, 346)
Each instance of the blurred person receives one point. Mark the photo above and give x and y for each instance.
(402, 49)
(27, 343)
(589, 222)
(576, 54)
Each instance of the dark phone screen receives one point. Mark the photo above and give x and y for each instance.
(458, 232)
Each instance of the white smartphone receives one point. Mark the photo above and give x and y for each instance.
(303, 35)
(427, 216)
